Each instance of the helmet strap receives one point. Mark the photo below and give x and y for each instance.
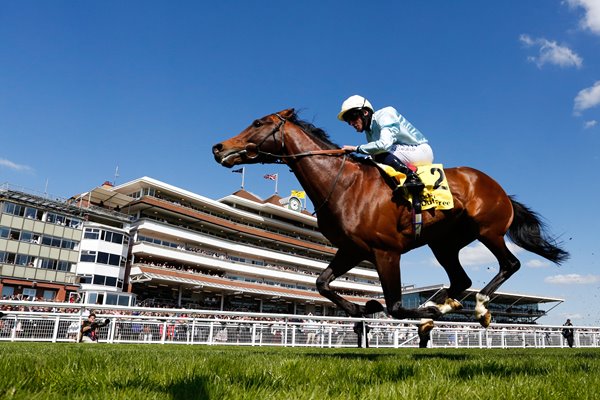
(366, 116)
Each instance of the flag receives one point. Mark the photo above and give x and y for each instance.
(271, 177)
(240, 171)
(299, 194)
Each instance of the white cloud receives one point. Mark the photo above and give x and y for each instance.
(591, 20)
(11, 165)
(551, 53)
(477, 254)
(587, 98)
(537, 263)
(590, 124)
(572, 279)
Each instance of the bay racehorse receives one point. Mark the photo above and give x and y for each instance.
(357, 213)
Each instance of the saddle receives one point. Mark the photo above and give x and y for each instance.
(436, 193)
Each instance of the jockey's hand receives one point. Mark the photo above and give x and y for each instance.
(349, 149)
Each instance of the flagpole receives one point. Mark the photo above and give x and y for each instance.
(243, 176)
(276, 181)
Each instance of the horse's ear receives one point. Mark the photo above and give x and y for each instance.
(286, 113)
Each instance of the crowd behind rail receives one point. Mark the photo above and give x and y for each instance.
(61, 322)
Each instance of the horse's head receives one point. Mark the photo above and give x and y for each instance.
(261, 142)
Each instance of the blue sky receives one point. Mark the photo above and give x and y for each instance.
(511, 88)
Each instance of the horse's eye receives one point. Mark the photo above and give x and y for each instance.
(257, 124)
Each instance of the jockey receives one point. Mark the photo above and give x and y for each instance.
(392, 140)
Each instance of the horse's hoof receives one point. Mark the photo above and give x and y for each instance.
(425, 327)
(373, 306)
(424, 331)
(454, 304)
(485, 319)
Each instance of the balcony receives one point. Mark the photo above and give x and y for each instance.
(37, 274)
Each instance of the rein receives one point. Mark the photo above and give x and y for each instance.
(337, 177)
(331, 152)
(280, 127)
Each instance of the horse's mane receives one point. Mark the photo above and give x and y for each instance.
(312, 130)
(319, 133)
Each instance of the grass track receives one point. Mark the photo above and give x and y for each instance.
(103, 371)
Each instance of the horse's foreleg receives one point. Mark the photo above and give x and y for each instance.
(388, 267)
(342, 263)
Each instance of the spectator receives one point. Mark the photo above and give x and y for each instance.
(89, 329)
(362, 329)
(568, 333)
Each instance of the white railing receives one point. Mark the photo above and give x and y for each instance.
(60, 322)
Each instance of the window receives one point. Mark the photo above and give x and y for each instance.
(63, 266)
(9, 208)
(117, 238)
(10, 258)
(8, 291)
(114, 259)
(31, 213)
(14, 234)
(99, 279)
(4, 232)
(110, 281)
(88, 256)
(68, 244)
(102, 258)
(26, 236)
(49, 295)
(111, 298)
(91, 233)
(23, 259)
(73, 222)
(29, 292)
(14, 209)
(48, 263)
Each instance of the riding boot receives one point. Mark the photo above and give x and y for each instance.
(412, 183)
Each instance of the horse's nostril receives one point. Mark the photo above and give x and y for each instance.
(217, 148)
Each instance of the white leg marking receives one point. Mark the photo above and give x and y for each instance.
(481, 305)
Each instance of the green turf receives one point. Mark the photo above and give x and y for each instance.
(103, 371)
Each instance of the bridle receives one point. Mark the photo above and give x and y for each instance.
(281, 158)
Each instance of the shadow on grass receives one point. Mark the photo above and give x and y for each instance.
(350, 356)
(444, 356)
(191, 388)
(467, 372)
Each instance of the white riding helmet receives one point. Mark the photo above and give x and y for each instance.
(353, 102)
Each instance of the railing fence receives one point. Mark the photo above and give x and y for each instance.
(50, 322)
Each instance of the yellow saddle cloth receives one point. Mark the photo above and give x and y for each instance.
(436, 193)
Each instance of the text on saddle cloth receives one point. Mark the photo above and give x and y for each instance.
(437, 191)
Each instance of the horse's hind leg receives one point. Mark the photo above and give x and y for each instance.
(509, 264)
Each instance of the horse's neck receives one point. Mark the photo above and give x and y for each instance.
(321, 176)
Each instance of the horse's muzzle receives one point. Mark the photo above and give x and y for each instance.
(230, 157)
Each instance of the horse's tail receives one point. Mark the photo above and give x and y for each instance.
(529, 232)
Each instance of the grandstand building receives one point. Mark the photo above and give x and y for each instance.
(238, 253)
(56, 250)
(149, 243)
